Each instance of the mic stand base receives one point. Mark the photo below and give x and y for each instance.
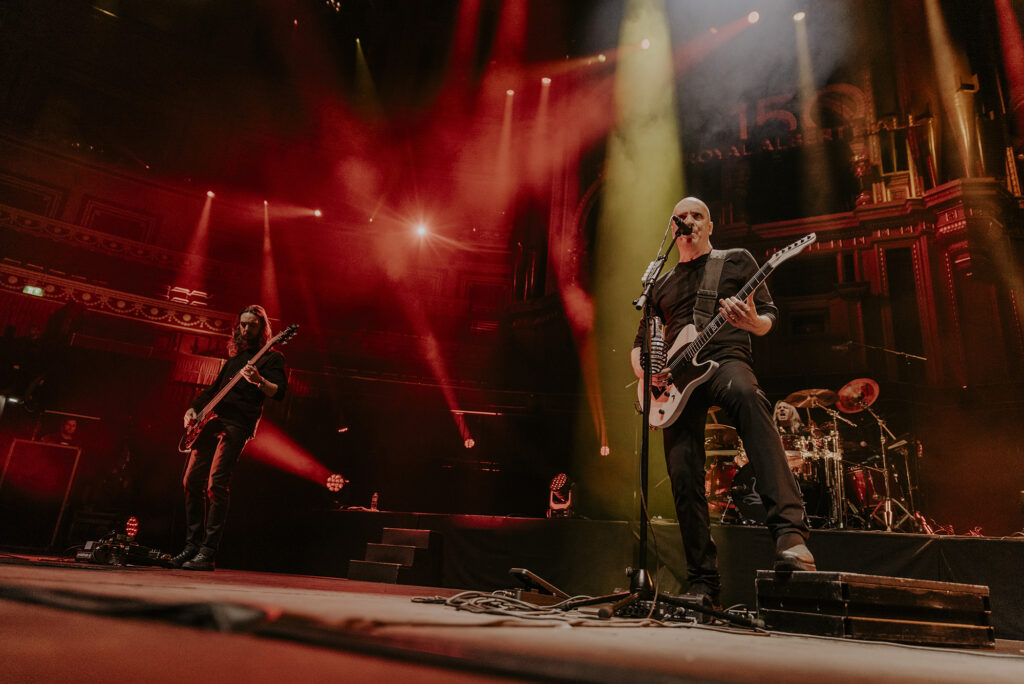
(641, 601)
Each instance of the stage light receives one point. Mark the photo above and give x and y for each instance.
(265, 202)
(799, 16)
(560, 498)
(421, 230)
(753, 17)
(209, 193)
(645, 44)
(335, 482)
(131, 526)
(713, 29)
(469, 443)
(605, 450)
(510, 92)
(342, 429)
(317, 213)
(546, 80)
(602, 58)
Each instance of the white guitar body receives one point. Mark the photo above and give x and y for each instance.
(667, 405)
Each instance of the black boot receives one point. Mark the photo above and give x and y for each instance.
(186, 555)
(201, 561)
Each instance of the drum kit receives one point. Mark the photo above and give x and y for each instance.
(838, 492)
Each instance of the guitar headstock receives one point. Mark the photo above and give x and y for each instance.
(792, 250)
(285, 335)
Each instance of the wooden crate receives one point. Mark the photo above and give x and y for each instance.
(849, 605)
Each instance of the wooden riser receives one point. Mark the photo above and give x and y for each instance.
(879, 608)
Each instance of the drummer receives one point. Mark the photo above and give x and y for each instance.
(787, 418)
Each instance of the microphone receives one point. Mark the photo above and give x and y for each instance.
(684, 229)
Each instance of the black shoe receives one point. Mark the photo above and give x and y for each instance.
(201, 561)
(795, 559)
(188, 554)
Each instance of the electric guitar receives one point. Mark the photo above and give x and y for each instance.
(687, 373)
(206, 415)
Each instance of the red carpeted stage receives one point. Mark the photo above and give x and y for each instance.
(64, 621)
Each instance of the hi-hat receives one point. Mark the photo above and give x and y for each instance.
(811, 398)
(857, 395)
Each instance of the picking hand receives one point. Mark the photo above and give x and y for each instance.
(252, 375)
(190, 417)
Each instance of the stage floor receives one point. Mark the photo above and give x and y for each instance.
(319, 628)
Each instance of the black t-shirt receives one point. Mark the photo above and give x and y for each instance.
(675, 294)
(243, 405)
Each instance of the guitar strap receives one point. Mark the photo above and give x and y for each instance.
(707, 295)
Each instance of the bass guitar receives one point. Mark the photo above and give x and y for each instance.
(687, 372)
(194, 428)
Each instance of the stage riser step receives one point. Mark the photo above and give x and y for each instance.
(404, 537)
(859, 606)
(392, 553)
(392, 573)
(372, 571)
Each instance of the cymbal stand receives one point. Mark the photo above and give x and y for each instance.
(886, 504)
(834, 469)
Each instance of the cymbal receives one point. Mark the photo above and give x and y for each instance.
(857, 395)
(811, 397)
(720, 436)
(719, 429)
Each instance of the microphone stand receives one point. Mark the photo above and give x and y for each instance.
(894, 352)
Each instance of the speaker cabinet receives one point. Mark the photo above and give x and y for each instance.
(34, 487)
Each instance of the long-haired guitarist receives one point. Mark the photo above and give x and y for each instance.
(733, 386)
(215, 452)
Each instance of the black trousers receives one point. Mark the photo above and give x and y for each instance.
(733, 387)
(207, 481)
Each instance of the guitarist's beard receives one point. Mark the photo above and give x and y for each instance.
(242, 343)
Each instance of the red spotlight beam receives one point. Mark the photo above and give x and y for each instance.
(274, 448)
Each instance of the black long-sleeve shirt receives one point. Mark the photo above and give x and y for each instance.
(675, 294)
(243, 405)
